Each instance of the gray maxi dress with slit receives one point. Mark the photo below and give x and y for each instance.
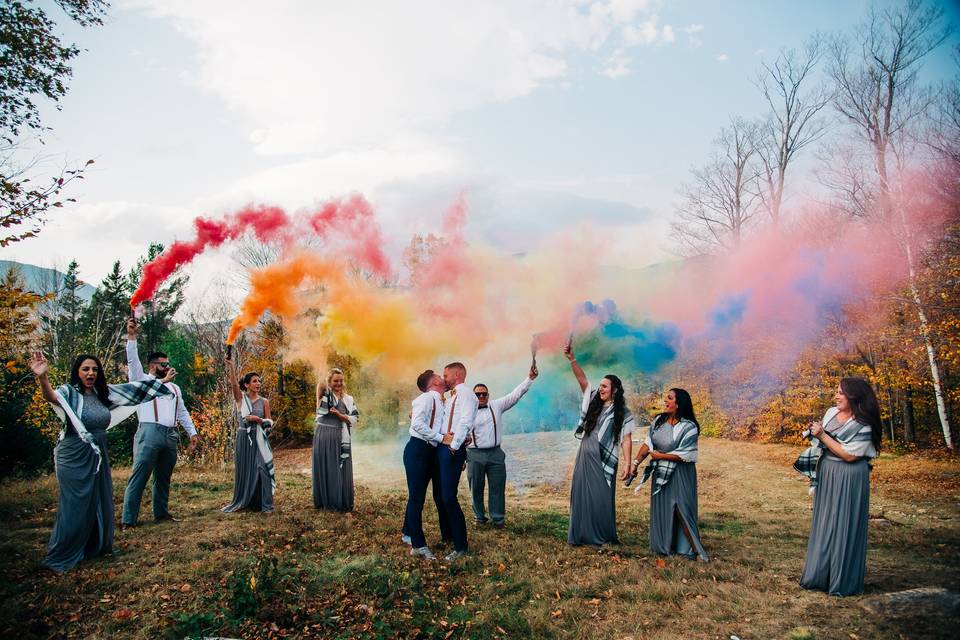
(674, 507)
(252, 488)
(837, 550)
(84, 525)
(332, 475)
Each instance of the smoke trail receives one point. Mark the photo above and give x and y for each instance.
(353, 228)
(266, 222)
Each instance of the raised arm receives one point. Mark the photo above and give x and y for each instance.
(508, 401)
(232, 378)
(134, 366)
(577, 369)
(39, 366)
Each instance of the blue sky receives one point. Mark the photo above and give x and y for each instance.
(548, 113)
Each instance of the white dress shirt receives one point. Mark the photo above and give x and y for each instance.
(166, 410)
(426, 418)
(488, 425)
(459, 412)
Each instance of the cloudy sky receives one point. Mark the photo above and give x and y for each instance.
(545, 112)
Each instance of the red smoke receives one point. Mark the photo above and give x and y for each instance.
(352, 228)
(267, 223)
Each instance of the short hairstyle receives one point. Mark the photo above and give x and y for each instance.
(424, 379)
(457, 366)
(480, 384)
(245, 380)
(156, 355)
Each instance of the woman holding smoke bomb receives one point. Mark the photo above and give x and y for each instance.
(254, 482)
(604, 430)
(672, 447)
(87, 406)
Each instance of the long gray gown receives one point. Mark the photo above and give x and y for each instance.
(837, 550)
(252, 488)
(332, 475)
(593, 516)
(674, 507)
(84, 524)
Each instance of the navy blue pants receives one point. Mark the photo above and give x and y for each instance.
(420, 463)
(451, 466)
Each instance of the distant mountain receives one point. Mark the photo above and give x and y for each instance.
(43, 280)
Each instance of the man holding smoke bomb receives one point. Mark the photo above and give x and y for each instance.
(486, 462)
(156, 441)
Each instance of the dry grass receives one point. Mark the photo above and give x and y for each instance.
(327, 575)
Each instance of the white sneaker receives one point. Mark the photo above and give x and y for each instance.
(405, 539)
(424, 552)
(453, 555)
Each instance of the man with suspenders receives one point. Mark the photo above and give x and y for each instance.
(485, 458)
(459, 411)
(156, 442)
(420, 463)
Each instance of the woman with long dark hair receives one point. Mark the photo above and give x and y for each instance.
(672, 447)
(253, 477)
(87, 406)
(604, 430)
(838, 465)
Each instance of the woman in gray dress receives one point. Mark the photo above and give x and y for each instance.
(87, 406)
(847, 438)
(253, 475)
(672, 447)
(604, 429)
(332, 465)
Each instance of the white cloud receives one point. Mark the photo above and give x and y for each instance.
(313, 77)
(722, 57)
(692, 30)
(648, 33)
(617, 65)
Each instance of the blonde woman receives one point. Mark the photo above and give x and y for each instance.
(332, 465)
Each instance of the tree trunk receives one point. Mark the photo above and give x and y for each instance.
(908, 434)
(892, 403)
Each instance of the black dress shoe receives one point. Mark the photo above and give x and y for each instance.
(167, 518)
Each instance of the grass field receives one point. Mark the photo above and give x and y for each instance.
(300, 573)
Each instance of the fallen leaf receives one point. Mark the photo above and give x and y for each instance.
(185, 588)
(557, 613)
(122, 614)
(661, 563)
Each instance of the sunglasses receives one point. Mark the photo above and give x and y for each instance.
(482, 394)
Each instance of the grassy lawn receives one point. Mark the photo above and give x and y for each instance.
(302, 573)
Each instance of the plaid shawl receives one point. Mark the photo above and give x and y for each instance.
(662, 470)
(123, 399)
(850, 432)
(263, 445)
(326, 402)
(609, 456)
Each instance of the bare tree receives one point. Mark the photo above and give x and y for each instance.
(879, 95)
(793, 120)
(719, 204)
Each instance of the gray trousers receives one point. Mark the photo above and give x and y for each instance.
(488, 465)
(154, 452)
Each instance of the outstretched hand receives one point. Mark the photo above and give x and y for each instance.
(568, 351)
(534, 372)
(171, 374)
(38, 364)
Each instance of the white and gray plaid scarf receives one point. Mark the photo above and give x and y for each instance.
(609, 456)
(263, 444)
(851, 431)
(124, 399)
(662, 470)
